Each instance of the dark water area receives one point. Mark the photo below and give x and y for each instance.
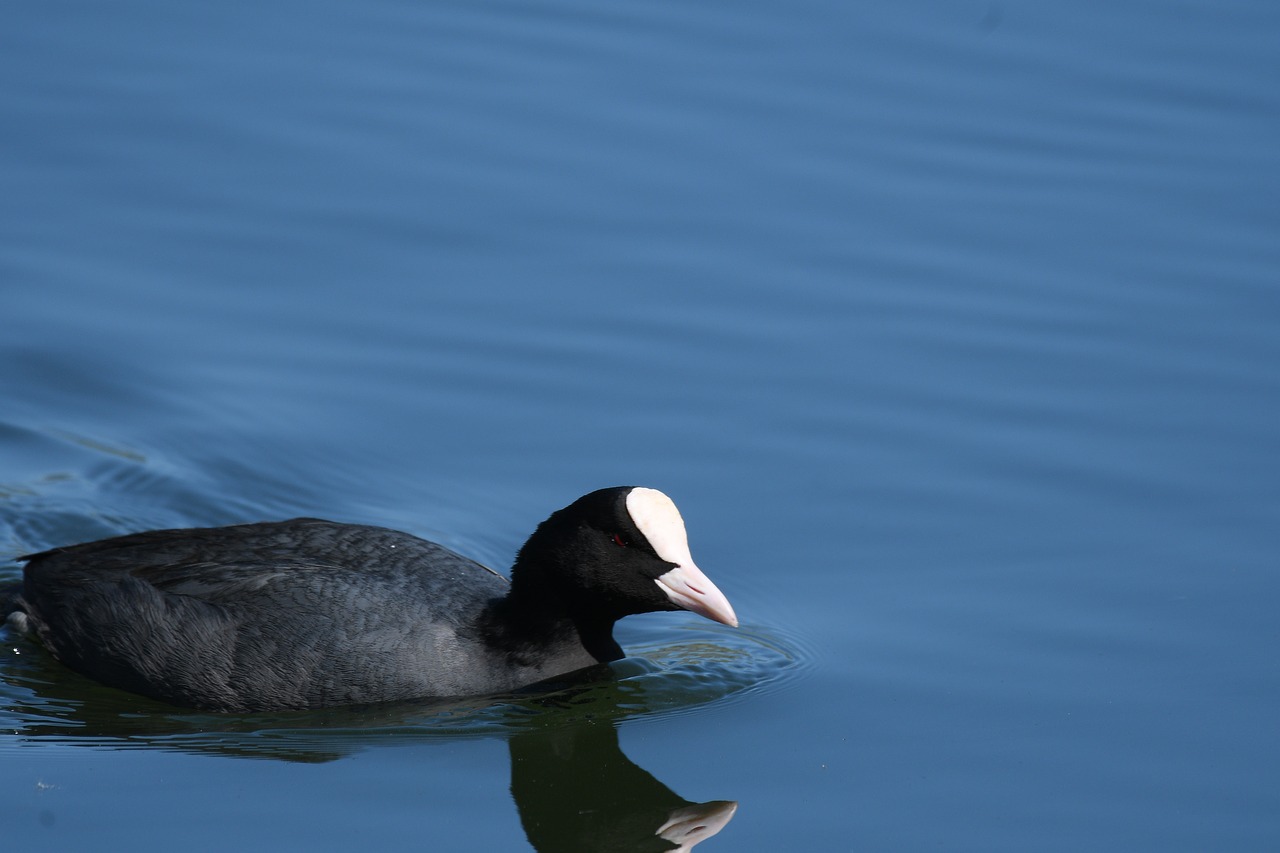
(953, 330)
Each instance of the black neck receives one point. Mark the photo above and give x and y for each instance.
(531, 614)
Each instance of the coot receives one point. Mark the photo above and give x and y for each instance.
(310, 613)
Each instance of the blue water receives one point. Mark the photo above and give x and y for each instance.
(953, 329)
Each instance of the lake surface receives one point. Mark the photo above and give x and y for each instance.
(953, 329)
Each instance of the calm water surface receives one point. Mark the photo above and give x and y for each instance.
(953, 328)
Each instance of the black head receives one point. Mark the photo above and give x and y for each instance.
(613, 553)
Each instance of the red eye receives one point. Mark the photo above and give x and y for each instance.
(619, 541)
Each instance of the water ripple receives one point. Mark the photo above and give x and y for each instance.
(41, 702)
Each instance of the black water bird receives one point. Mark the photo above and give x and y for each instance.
(309, 613)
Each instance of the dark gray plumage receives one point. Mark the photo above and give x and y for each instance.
(309, 613)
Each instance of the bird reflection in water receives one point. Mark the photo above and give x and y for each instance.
(577, 791)
(572, 785)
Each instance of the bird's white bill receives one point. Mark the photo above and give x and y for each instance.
(689, 588)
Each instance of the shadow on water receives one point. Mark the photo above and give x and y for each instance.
(572, 785)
